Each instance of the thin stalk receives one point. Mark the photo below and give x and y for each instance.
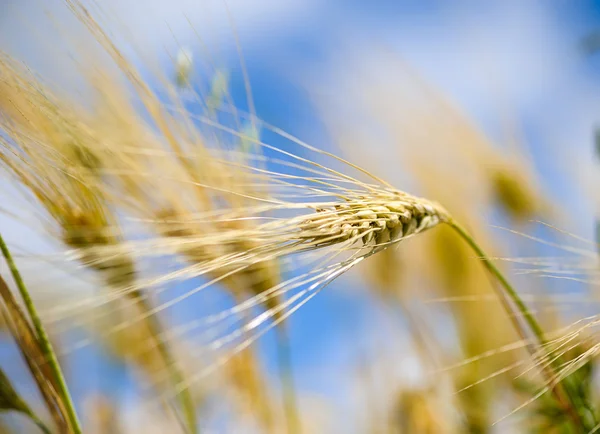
(561, 389)
(287, 380)
(43, 340)
(185, 397)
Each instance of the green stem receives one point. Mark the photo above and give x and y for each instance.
(561, 389)
(43, 340)
(510, 291)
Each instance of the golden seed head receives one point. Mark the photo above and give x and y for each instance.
(385, 218)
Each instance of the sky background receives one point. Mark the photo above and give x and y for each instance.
(498, 60)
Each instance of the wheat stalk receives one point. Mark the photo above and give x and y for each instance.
(38, 339)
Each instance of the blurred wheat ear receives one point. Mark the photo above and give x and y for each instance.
(63, 176)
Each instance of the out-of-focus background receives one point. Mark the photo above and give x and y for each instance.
(489, 107)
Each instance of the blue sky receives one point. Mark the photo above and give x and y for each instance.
(488, 56)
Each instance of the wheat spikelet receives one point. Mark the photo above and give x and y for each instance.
(380, 219)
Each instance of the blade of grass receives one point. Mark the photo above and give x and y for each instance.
(43, 341)
(10, 400)
(30, 350)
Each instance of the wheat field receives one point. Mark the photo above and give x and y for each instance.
(271, 217)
